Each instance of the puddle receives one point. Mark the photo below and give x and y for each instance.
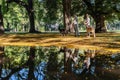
(57, 63)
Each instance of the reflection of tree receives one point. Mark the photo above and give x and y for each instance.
(52, 66)
(107, 66)
(10, 66)
(88, 61)
(1, 59)
(68, 60)
(13, 70)
(51, 63)
(31, 64)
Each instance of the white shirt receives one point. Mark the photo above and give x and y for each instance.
(87, 21)
(75, 22)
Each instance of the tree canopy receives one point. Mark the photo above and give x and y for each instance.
(19, 13)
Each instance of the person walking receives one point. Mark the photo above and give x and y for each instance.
(89, 29)
(87, 20)
(76, 28)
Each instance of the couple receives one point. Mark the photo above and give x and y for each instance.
(86, 23)
(89, 29)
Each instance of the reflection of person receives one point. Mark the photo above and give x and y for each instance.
(75, 57)
(75, 22)
(88, 61)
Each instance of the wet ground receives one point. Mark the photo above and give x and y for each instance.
(57, 63)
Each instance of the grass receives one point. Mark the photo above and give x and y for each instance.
(103, 41)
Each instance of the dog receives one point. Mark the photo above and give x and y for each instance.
(90, 30)
(63, 31)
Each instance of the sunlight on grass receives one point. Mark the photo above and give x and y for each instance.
(103, 41)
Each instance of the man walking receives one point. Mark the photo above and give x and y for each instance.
(75, 22)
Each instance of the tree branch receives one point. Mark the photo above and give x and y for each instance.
(18, 2)
(89, 5)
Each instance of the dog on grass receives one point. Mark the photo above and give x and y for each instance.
(63, 31)
(90, 31)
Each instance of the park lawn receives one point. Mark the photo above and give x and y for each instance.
(103, 41)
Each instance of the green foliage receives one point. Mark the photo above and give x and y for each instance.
(77, 7)
(4, 7)
(17, 55)
(40, 13)
(51, 7)
(108, 8)
(51, 11)
(16, 16)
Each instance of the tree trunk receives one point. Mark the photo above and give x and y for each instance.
(66, 13)
(31, 16)
(1, 59)
(100, 24)
(31, 64)
(67, 61)
(1, 22)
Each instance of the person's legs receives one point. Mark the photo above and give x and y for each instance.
(88, 30)
(76, 30)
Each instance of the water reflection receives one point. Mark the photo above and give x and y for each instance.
(57, 63)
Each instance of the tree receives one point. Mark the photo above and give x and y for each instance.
(1, 59)
(31, 61)
(29, 7)
(1, 21)
(51, 7)
(64, 8)
(66, 13)
(100, 10)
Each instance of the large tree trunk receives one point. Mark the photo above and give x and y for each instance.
(67, 61)
(31, 64)
(31, 16)
(66, 13)
(100, 24)
(1, 22)
(1, 59)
